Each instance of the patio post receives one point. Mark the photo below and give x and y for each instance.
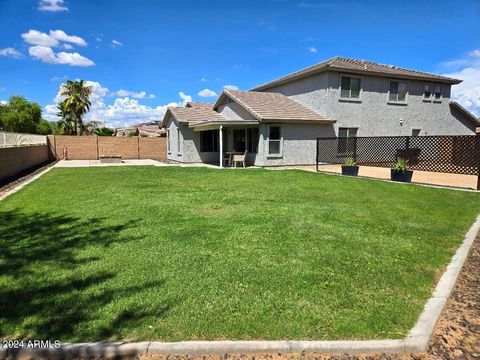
(220, 134)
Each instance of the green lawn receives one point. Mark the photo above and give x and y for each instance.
(143, 253)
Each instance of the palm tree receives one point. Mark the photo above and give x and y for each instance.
(67, 122)
(76, 102)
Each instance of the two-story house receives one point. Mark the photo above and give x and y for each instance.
(278, 123)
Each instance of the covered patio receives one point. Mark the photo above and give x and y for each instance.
(229, 137)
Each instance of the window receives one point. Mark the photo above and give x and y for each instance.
(179, 141)
(437, 93)
(416, 132)
(427, 91)
(168, 142)
(252, 140)
(350, 87)
(209, 141)
(398, 91)
(239, 140)
(274, 140)
(346, 140)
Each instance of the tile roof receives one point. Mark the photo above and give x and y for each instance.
(467, 113)
(266, 106)
(199, 105)
(361, 67)
(191, 114)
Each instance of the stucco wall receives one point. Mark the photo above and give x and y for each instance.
(233, 111)
(373, 115)
(14, 160)
(189, 144)
(298, 142)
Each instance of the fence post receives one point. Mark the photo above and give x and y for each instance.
(316, 154)
(96, 138)
(477, 132)
(138, 147)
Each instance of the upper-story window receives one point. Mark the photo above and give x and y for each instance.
(437, 92)
(350, 87)
(427, 91)
(398, 91)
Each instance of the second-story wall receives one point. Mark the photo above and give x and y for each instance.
(372, 113)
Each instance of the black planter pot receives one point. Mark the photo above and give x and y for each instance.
(401, 176)
(349, 170)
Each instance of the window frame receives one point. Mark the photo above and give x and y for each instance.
(349, 97)
(434, 92)
(214, 141)
(169, 145)
(346, 144)
(280, 141)
(179, 142)
(396, 101)
(430, 91)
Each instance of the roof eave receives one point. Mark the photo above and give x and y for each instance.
(301, 121)
(328, 67)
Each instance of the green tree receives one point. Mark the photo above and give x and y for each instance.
(103, 131)
(20, 115)
(75, 105)
(45, 127)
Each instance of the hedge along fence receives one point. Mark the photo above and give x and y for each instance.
(92, 147)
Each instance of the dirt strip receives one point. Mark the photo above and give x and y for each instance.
(456, 336)
(10, 183)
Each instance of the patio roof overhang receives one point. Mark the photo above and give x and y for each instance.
(215, 124)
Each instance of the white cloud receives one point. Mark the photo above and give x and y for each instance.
(123, 111)
(47, 55)
(203, 80)
(52, 5)
(60, 35)
(230, 87)
(207, 93)
(67, 46)
(35, 37)
(116, 43)
(133, 94)
(3, 102)
(468, 92)
(312, 49)
(11, 52)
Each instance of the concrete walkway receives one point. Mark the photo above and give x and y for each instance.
(420, 177)
(131, 162)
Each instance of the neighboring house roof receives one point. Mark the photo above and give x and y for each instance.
(266, 106)
(359, 67)
(199, 105)
(150, 130)
(468, 114)
(191, 114)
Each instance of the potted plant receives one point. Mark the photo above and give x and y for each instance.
(400, 171)
(350, 167)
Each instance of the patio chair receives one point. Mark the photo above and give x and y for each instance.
(227, 159)
(240, 158)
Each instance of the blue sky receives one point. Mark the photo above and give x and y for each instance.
(140, 56)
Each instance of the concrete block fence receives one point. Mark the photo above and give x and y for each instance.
(91, 147)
